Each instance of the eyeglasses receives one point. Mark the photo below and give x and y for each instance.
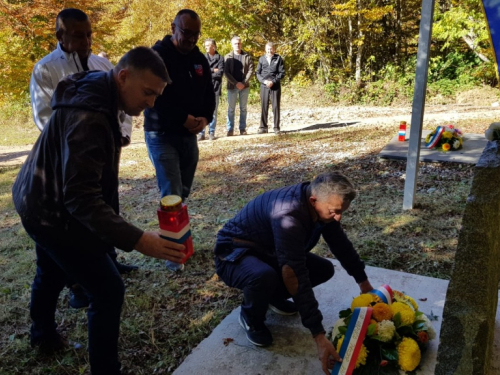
(188, 33)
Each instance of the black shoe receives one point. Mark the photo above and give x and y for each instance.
(230, 133)
(125, 268)
(77, 298)
(257, 335)
(284, 307)
(262, 131)
(243, 132)
(49, 345)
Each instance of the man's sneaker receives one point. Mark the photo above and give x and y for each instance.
(211, 137)
(50, 345)
(77, 297)
(174, 267)
(257, 335)
(200, 137)
(243, 132)
(230, 133)
(262, 131)
(284, 307)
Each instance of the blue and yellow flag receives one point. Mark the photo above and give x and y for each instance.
(492, 12)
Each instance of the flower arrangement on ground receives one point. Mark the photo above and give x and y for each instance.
(444, 138)
(396, 335)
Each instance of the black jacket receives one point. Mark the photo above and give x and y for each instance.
(217, 61)
(191, 91)
(271, 72)
(69, 182)
(278, 224)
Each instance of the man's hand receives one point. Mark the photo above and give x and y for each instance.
(216, 70)
(152, 245)
(326, 353)
(365, 286)
(195, 124)
(240, 86)
(269, 84)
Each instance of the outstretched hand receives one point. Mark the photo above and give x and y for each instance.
(152, 245)
(326, 353)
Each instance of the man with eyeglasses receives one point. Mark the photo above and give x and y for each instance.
(182, 111)
(265, 250)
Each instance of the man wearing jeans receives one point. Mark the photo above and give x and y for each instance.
(183, 110)
(238, 69)
(66, 195)
(216, 63)
(265, 251)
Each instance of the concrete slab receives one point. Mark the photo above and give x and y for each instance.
(293, 351)
(469, 154)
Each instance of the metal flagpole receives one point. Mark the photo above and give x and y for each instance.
(418, 107)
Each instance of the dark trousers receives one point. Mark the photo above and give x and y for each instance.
(261, 281)
(94, 270)
(267, 93)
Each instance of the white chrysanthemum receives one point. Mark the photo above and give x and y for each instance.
(428, 324)
(335, 330)
(386, 330)
(456, 144)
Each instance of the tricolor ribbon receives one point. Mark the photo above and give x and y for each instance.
(384, 293)
(351, 346)
(436, 137)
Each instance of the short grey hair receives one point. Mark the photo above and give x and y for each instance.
(211, 41)
(270, 44)
(236, 37)
(333, 183)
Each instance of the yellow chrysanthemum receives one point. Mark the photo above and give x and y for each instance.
(428, 138)
(363, 353)
(447, 135)
(363, 300)
(412, 302)
(446, 147)
(406, 312)
(409, 354)
(381, 311)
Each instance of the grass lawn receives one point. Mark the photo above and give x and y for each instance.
(166, 315)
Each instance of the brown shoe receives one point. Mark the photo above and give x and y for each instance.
(243, 132)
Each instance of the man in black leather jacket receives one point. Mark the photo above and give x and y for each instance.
(67, 197)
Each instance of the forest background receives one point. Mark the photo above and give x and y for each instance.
(358, 51)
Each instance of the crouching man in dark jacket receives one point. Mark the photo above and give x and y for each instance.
(265, 251)
(67, 197)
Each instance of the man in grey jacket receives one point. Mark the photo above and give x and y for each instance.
(238, 69)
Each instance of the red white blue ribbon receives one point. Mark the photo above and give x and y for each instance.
(384, 293)
(353, 340)
(436, 137)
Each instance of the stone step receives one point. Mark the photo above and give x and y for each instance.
(293, 351)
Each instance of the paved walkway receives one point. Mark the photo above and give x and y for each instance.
(293, 351)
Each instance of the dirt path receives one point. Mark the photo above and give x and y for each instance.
(294, 119)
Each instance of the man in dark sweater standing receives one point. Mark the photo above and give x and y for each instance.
(183, 110)
(270, 71)
(216, 63)
(265, 251)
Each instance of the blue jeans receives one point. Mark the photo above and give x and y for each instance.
(232, 96)
(175, 158)
(260, 279)
(92, 268)
(212, 125)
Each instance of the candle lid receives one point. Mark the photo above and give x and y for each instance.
(171, 202)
